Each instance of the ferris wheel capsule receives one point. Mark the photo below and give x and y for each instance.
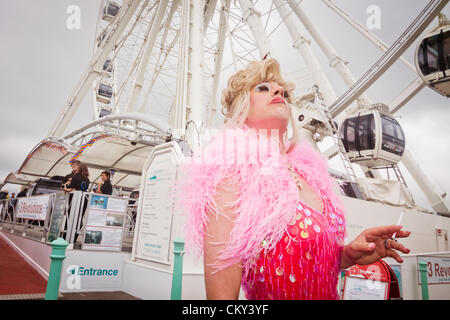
(372, 138)
(104, 93)
(110, 10)
(108, 66)
(104, 111)
(433, 60)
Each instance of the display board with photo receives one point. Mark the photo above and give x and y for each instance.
(105, 220)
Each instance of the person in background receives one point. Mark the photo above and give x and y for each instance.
(105, 187)
(80, 179)
(4, 194)
(23, 192)
(74, 164)
(78, 182)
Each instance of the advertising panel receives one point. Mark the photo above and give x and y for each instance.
(34, 208)
(105, 220)
(438, 269)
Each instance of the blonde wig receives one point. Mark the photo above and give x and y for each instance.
(236, 97)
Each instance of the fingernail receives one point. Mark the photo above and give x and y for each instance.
(372, 245)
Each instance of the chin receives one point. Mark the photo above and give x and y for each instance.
(279, 123)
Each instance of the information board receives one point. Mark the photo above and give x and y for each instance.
(364, 289)
(438, 269)
(104, 226)
(57, 217)
(155, 212)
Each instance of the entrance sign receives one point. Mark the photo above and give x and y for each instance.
(105, 220)
(156, 204)
(33, 208)
(438, 269)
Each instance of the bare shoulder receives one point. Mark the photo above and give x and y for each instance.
(225, 197)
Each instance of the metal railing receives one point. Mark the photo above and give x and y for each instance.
(62, 215)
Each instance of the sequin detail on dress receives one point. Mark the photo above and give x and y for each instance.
(305, 263)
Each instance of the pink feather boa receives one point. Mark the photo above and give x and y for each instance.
(267, 195)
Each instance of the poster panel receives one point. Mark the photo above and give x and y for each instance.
(34, 208)
(364, 289)
(57, 217)
(438, 269)
(105, 221)
(156, 206)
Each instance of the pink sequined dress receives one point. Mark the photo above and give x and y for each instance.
(305, 264)
(287, 249)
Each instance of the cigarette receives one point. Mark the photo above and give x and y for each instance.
(398, 222)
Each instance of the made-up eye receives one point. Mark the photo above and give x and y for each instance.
(262, 87)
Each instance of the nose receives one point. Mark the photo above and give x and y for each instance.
(278, 91)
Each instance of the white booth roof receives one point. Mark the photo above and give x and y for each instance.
(51, 157)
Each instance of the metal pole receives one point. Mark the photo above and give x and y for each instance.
(150, 42)
(425, 183)
(58, 255)
(197, 112)
(94, 69)
(303, 46)
(424, 280)
(163, 52)
(253, 20)
(364, 31)
(335, 61)
(177, 275)
(212, 107)
(178, 115)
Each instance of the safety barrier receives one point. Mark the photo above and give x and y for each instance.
(47, 217)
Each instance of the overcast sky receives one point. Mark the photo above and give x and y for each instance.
(42, 60)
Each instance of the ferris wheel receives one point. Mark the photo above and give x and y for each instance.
(159, 66)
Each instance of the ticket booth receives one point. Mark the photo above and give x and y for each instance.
(376, 281)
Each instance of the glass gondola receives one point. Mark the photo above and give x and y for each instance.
(104, 93)
(108, 66)
(372, 138)
(103, 112)
(433, 60)
(100, 38)
(110, 10)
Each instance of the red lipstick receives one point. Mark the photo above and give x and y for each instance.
(278, 100)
